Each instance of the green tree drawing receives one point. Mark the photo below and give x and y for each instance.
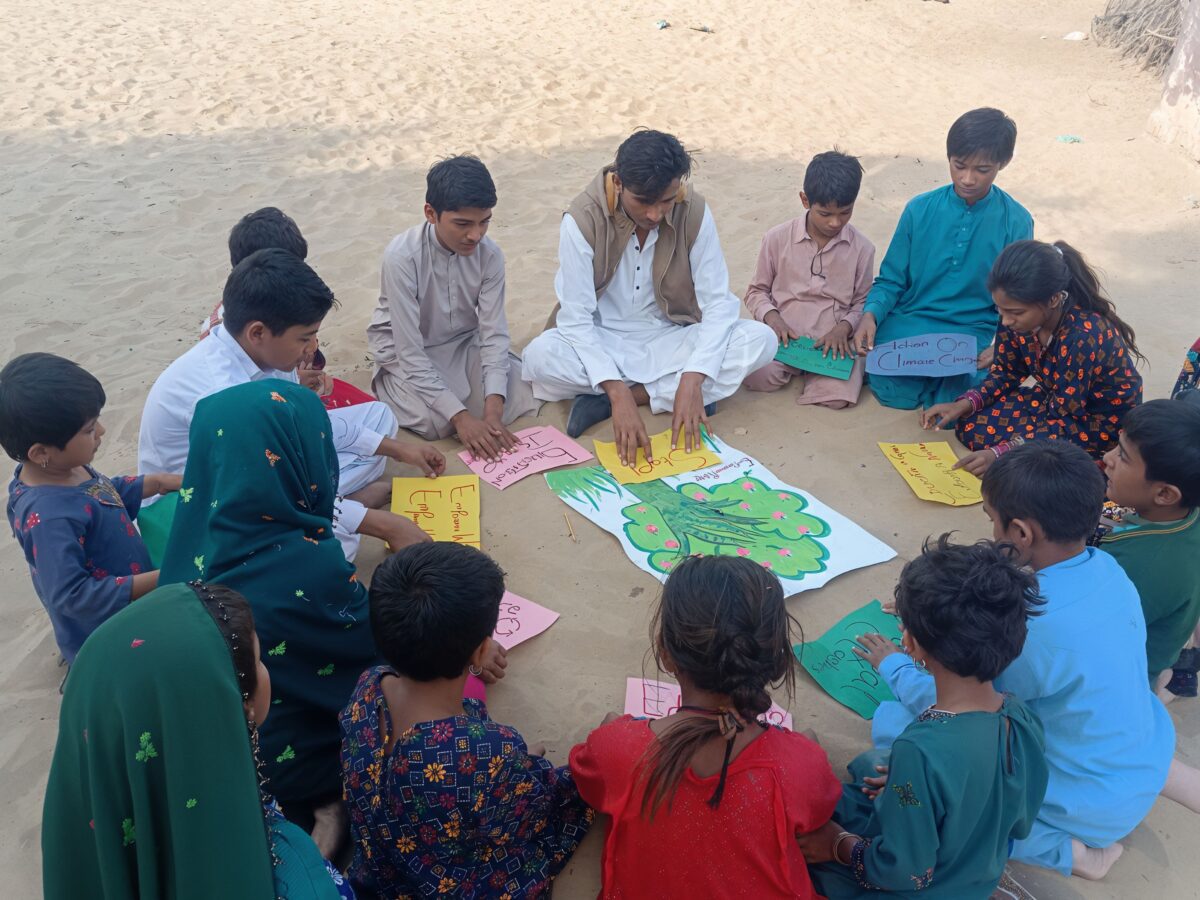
(739, 517)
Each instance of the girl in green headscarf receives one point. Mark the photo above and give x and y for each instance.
(255, 513)
(153, 790)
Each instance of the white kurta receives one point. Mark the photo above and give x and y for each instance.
(622, 334)
(218, 362)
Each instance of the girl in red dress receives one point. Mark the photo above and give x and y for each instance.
(707, 802)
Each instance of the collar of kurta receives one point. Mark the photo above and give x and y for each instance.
(978, 204)
(800, 233)
(431, 239)
(252, 369)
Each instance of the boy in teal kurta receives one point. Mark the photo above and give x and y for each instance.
(1155, 471)
(968, 776)
(934, 276)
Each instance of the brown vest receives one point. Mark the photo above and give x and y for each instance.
(607, 229)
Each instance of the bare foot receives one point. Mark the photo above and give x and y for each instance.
(331, 825)
(1093, 863)
(376, 495)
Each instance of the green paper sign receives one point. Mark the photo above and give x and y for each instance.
(846, 677)
(800, 354)
(154, 522)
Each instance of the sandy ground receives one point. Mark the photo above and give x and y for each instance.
(133, 135)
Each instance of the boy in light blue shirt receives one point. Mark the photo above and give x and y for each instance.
(1109, 742)
(934, 276)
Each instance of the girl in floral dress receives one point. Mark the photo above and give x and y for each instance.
(442, 799)
(1064, 363)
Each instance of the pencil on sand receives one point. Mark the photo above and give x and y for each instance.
(570, 529)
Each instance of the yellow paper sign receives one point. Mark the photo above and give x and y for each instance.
(926, 468)
(445, 508)
(665, 462)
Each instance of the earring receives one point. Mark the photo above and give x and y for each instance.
(44, 463)
(921, 663)
(475, 670)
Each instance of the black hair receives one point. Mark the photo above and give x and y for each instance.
(432, 604)
(235, 620)
(1167, 436)
(459, 182)
(262, 229)
(1053, 483)
(1033, 272)
(723, 623)
(984, 132)
(967, 605)
(45, 399)
(833, 178)
(277, 288)
(648, 161)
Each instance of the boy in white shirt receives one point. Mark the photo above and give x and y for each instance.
(273, 308)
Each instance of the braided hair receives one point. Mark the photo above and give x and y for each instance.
(723, 624)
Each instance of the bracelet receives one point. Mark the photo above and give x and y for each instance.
(974, 398)
(837, 843)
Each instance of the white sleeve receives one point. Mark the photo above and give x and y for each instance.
(576, 290)
(718, 307)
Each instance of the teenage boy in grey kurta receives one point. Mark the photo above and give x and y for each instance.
(439, 335)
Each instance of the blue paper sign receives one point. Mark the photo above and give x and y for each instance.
(925, 355)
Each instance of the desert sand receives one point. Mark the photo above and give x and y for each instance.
(134, 134)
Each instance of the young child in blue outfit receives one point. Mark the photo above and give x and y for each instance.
(74, 524)
(934, 276)
(1109, 741)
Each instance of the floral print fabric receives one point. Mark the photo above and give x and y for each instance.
(454, 807)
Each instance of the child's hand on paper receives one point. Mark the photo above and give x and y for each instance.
(780, 327)
(495, 661)
(976, 463)
(874, 648)
(478, 436)
(944, 415)
(493, 417)
(426, 458)
(835, 341)
(629, 431)
(689, 414)
(872, 786)
(864, 335)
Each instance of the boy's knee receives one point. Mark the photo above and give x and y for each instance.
(771, 377)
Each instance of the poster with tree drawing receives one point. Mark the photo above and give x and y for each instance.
(734, 508)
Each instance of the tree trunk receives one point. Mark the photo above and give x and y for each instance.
(1177, 119)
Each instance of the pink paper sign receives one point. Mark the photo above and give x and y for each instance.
(540, 448)
(655, 699)
(521, 619)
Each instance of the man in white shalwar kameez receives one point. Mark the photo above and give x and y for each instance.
(645, 313)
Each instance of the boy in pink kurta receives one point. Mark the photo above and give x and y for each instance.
(812, 279)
